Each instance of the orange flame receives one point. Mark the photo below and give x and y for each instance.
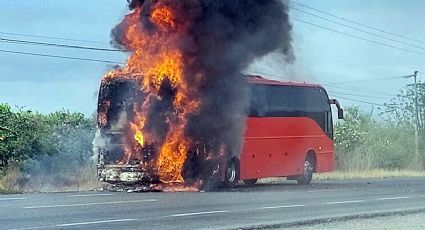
(103, 115)
(163, 17)
(155, 58)
(138, 135)
(173, 187)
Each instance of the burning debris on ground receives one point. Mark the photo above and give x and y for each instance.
(175, 112)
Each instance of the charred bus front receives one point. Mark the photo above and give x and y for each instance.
(124, 157)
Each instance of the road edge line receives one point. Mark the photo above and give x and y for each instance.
(359, 216)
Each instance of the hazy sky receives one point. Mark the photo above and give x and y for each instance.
(329, 58)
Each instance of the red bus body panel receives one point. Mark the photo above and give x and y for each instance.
(277, 146)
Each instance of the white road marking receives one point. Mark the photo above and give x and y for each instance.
(89, 195)
(197, 213)
(32, 228)
(283, 206)
(346, 202)
(89, 204)
(333, 190)
(393, 198)
(94, 222)
(75, 224)
(12, 198)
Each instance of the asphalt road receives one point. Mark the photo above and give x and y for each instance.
(261, 205)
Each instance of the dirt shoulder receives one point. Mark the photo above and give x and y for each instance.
(354, 175)
(369, 174)
(407, 221)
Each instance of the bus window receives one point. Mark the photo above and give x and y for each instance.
(290, 99)
(328, 125)
(258, 101)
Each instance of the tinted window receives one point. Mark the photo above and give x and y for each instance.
(258, 101)
(295, 99)
(266, 100)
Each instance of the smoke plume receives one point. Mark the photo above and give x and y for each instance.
(218, 39)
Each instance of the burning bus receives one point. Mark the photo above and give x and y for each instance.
(288, 134)
(179, 113)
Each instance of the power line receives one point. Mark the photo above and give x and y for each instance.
(355, 28)
(351, 99)
(50, 37)
(372, 79)
(359, 24)
(357, 95)
(26, 42)
(357, 37)
(331, 85)
(61, 57)
(327, 84)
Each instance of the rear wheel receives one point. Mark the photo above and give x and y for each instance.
(308, 169)
(232, 174)
(250, 182)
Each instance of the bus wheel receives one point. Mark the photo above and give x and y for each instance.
(308, 171)
(232, 174)
(250, 182)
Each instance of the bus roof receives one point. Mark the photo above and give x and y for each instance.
(256, 79)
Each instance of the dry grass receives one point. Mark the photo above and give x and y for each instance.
(2, 187)
(14, 182)
(84, 180)
(8, 184)
(345, 175)
(6, 190)
(368, 174)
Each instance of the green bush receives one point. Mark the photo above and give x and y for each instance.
(362, 143)
(47, 149)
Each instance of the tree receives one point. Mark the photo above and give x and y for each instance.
(21, 134)
(401, 111)
(363, 143)
(56, 142)
(351, 133)
(69, 162)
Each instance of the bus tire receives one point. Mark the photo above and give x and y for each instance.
(308, 170)
(250, 182)
(232, 174)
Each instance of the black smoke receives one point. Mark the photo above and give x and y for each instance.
(224, 37)
(135, 3)
(230, 35)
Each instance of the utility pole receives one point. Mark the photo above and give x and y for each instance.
(418, 157)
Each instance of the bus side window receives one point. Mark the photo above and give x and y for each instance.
(258, 102)
(328, 124)
(324, 101)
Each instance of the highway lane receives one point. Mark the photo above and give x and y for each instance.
(260, 205)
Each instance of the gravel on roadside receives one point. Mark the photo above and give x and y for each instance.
(395, 222)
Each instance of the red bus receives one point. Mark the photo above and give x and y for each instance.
(289, 133)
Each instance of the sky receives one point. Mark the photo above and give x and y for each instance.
(322, 56)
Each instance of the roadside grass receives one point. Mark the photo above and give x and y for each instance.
(2, 187)
(82, 180)
(13, 182)
(6, 190)
(369, 174)
(9, 182)
(346, 175)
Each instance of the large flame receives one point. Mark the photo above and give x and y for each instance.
(154, 58)
(163, 17)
